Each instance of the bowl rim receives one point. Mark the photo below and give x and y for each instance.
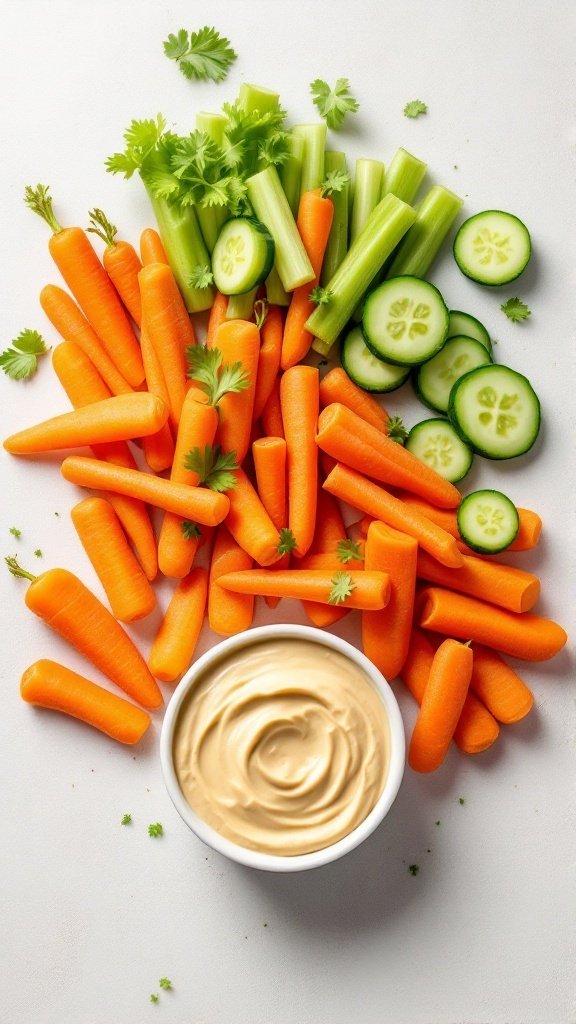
(254, 858)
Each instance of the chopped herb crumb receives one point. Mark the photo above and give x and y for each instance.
(38, 553)
(461, 800)
(413, 869)
(126, 820)
(165, 983)
(155, 830)
(154, 998)
(15, 532)
(437, 822)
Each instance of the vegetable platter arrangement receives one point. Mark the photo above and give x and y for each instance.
(228, 372)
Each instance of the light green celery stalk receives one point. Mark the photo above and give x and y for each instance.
(271, 207)
(253, 97)
(404, 175)
(212, 124)
(367, 192)
(241, 307)
(185, 249)
(275, 293)
(211, 219)
(388, 222)
(314, 139)
(418, 248)
(338, 241)
(291, 170)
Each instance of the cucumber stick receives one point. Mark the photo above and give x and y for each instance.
(434, 379)
(496, 411)
(365, 369)
(488, 521)
(436, 443)
(492, 247)
(405, 320)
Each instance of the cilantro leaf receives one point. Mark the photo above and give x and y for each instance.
(414, 108)
(342, 587)
(166, 984)
(214, 467)
(214, 377)
(21, 359)
(334, 182)
(349, 550)
(126, 819)
(155, 830)
(189, 529)
(396, 430)
(320, 296)
(141, 138)
(287, 542)
(516, 310)
(201, 277)
(333, 104)
(201, 55)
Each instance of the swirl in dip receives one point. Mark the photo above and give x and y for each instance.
(282, 747)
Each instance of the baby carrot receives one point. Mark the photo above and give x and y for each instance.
(348, 438)
(75, 613)
(366, 496)
(441, 707)
(366, 590)
(73, 326)
(114, 419)
(217, 316)
(527, 537)
(49, 685)
(269, 454)
(158, 448)
(238, 341)
(175, 643)
(250, 524)
(169, 328)
(503, 585)
(128, 591)
(315, 215)
(197, 503)
(329, 531)
(269, 358)
(386, 634)
(336, 386)
(228, 613)
(121, 263)
(90, 285)
(299, 401)
(151, 248)
(498, 687)
(272, 413)
(525, 636)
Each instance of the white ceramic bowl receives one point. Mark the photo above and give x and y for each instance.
(267, 861)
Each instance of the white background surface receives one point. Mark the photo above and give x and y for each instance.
(93, 913)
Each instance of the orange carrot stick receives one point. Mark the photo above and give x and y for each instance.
(216, 318)
(238, 341)
(525, 636)
(128, 591)
(499, 688)
(477, 729)
(503, 585)
(169, 328)
(269, 457)
(179, 541)
(228, 613)
(151, 248)
(269, 358)
(250, 524)
(175, 643)
(349, 439)
(73, 326)
(197, 503)
(75, 613)
(336, 386)
(323, 615)
(158, 448)
(386, 634)
(366, 496)
(329, 530)
(272, 413)
(527, 537)
(370, 590)
(299, 401)
(49, 685)
(315, 215)
(121, 263)
(441, 706)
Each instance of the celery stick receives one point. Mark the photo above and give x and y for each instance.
(290, 171)
(367, 192)
(338, 241)
(434, 219)
(185, 249)
(405, 175)
(212, 125)
(211, 219)
(314, 139)
(241, 307)
(271, 207)
(275, 293)
(252, 97)
(387, 223)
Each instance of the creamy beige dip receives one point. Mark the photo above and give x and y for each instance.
(282, 747)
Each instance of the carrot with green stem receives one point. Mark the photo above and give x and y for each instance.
(527, 537)
(269, 357)
(121, 263)
(62, 601)
(503, 585)
(336, 386)
(151, 248)
(175, 642)
(315, 215)
(73, 326)
(441, 707)
(300, 403)
(353, 589)
(386, 634)
(272, 413)
(90, 285)
(228, 613)
(217, 316)
(158, 448)
(269, 457)
(329, 532)
(238, 343)
(250, 524)
(496, 684)
(128, 591)
(361, 493)
(169, 328)
(49, 685)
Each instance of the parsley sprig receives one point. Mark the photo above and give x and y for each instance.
(349, 550)
(203, 55)
(333, 104)
(414, 108)
(287, 542)
(516, 310)
(20, 361)
(333, 182)
(216, 378)
(214, 467)
(342, 587)
(321, 296)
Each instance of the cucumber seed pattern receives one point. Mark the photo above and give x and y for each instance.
(407, 318)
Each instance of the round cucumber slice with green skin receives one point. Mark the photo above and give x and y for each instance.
(365, 369)
(405, 321)
(243, 256)
(436, 443)
(487, 521)
(492, 247)
(434, 379)
(496, 411)
(463, 324)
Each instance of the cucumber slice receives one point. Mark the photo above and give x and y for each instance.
(492, 247)
(243, 256)
(436, 443)
(487, 521)
(434, 379)
(467, 325)
(405, 320)
(365, 369)
(496, 411)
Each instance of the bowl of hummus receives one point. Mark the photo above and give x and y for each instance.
(283, 747)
